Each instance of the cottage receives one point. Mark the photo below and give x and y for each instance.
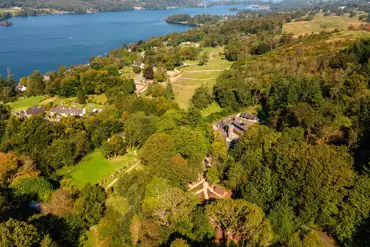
(231, 128)
(21, 88)
(249, 116)
(219, 192)
(35, 110)
(74, 111)
(58, 110)
(46, 78)
(30, 112)
(138, 64)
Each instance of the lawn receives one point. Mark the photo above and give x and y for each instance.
(100, 99)
(212, 108)
(24, 104)
(94, 168)
(193, 76)
(93, 101)
(321, 23)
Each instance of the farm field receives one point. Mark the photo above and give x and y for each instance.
(24, 104)
(321, 23)
(94, 168)
(193, 76)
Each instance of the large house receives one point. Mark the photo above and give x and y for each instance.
(232, 128)
(67, 111)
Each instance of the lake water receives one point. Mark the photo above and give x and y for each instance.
(45, 42)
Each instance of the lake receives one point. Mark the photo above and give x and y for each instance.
(45, 42)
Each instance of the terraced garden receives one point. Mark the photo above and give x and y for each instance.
(192, 76)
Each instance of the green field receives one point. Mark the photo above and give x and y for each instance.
(212, 108)
(24, 104)
(193, 76)
(16, 11)
(321, 23)
(94, 168)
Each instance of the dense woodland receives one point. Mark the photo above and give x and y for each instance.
(303, 170)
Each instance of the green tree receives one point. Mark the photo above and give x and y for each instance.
(178, 242)
(81, 97)
(90, 204)
(160, 74)
(193, 117)
(7, 87)
(168, 94)
(39, 188)
(114, 146)
(351, 215)
(234, 49)
(148, 73)
(169, 207)
(190, 143)
(202, 97)
(138, 128)
(47, 241)
(260, 49)
(282, 219)
(306, 238)
(242, 219)
(203, 59)
(35, 84)
(157, 150)
(15, 233)
(4, 116)
(157, 90)
(62, 153)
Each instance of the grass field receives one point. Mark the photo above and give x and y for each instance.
(193, 76)
(212, 108)
(93, 101)
(94, 168)
(321, 23)
(26, 103)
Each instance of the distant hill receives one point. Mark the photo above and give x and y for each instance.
(97, 5)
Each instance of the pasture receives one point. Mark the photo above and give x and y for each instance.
(192, 75)
(321, 23)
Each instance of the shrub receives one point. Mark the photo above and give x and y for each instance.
(36, 187)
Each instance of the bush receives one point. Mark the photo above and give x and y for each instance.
(148, 73)
(36, 187)
(260, 49)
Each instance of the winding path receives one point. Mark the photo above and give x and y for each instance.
(128, 170)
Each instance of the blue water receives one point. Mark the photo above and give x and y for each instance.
(45, 42)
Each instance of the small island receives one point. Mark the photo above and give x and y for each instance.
(6, 24)
(197, 20)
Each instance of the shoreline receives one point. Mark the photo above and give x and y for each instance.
(134, 8)
(84, 59)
